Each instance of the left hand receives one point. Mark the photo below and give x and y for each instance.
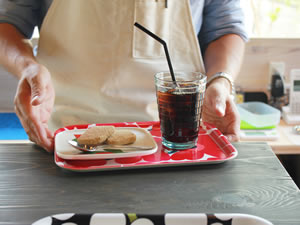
(219, 109)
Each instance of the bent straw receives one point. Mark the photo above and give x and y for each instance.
(165, 48)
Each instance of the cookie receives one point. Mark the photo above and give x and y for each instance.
(121, 137)
(96, 135)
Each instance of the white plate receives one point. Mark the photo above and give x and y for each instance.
(148, 219)
(66, 151)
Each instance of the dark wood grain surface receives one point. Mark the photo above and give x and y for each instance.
(33, 187)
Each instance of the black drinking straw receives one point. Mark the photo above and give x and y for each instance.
(165, 48)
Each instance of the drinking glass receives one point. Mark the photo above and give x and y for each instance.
(179, 106)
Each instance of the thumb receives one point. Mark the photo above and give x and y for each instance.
(37, 89)
(220, 106)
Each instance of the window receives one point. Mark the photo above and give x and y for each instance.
(272, 18)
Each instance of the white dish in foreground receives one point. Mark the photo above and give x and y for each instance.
(148, 219)
(66, 151)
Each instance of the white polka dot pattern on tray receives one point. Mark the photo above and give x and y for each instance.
(148, 219)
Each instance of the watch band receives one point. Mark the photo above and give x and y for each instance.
(222, 75)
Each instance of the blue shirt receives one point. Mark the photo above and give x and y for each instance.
(212, 18)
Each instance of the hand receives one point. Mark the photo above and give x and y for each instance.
(34, 101)
(219, 109)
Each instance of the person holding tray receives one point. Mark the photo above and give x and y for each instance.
(93, 66)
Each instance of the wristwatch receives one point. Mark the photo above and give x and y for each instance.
(222, 75)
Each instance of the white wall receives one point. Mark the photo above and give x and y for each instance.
(254, 75)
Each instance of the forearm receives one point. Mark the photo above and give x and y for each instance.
(224, 55)
(15, 50)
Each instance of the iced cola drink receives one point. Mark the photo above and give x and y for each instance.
(180, 106)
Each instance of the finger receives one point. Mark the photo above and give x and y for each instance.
(232, 138)
(38, 87)
(45, 141)
(28, 129)
(36, 131)
(233, 133)
(40, 137)
(35, 100)
(218, 103)
(216, 100)
(50, 134)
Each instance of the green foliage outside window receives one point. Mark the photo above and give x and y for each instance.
(273, 18)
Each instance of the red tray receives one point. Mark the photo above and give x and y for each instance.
(212, 148)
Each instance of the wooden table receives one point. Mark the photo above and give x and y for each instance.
(33, 187)
(284, 144)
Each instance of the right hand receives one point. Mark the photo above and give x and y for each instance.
(34, 102)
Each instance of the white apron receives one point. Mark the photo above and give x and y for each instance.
(103, 67)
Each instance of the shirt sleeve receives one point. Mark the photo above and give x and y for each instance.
(220, 18)
(23, 14)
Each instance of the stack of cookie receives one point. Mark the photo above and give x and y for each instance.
(106, 134)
